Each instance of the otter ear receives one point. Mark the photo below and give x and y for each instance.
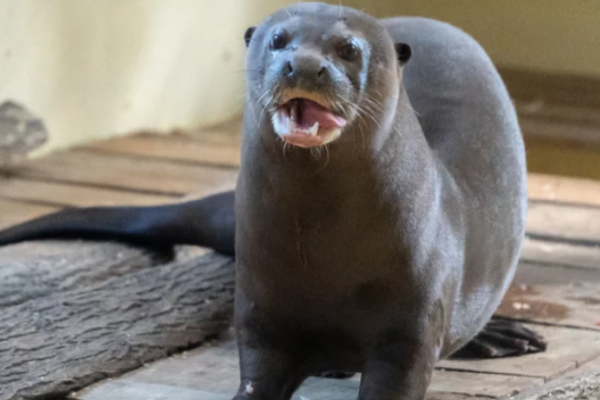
(248, 35)
(404, 51)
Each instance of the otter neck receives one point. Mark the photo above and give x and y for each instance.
(391, 159)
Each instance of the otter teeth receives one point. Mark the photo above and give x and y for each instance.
(294, 112)
(314, 129)
(291, 124)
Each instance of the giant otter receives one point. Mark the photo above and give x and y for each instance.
(380, 208)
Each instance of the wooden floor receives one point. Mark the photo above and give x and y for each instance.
(557, 289)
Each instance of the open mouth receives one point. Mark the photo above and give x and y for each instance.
(306, 123)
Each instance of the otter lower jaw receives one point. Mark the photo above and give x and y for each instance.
(305, 123)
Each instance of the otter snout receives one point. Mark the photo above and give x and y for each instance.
(306, 70)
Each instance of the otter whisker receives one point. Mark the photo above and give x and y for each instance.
(315, 152)
(268, 95)
(326, 150)
(379, 107)
(285, 147)
(368, 113)
(362, 127)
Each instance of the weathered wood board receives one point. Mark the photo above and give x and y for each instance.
(12, 213)
(568, 349)
(564, 223)
(580, 384)
(574, 305)
(561, 254)
(61, 194)
(122, 172)
(93, 311)
(182, 150)
(212, 373)
(542, 187)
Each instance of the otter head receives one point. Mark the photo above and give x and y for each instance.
(322, 72)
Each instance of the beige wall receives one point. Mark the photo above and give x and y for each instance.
(94, 68)
(551, 35)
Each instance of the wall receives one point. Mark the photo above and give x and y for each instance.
(549, 35)
(95, 68)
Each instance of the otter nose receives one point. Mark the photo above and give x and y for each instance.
(305, 69)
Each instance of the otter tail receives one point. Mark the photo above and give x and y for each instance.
(207, 222)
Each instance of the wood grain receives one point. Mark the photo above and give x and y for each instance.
(213, 372)
(581, 384)
(562, 222)
(120, 172)
(12, 212)
(60, 340)
(170, 148)
(561, 254)
(61, 194)
(575, 304)
(35, 270)
(552, 188)
(568, 349)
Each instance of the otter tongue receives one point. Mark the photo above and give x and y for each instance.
(309, 113)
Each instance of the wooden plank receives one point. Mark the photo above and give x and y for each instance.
(214, 369)
(61, 194)
(488, 385)
(581, 384)
(170, 148)
(74, 336)
(540, 273)
(444, 385)
(127, 390)
(131, 390)
(567, 350)
(561, 189)
(167, 179)
(112, 171)
(561, 254)
(585, 388)
(563, 222)
(569, 305)
(12, 213)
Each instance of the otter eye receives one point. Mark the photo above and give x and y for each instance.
(348, 51)
(278, 42)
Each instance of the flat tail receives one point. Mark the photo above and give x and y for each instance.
(207, 222)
